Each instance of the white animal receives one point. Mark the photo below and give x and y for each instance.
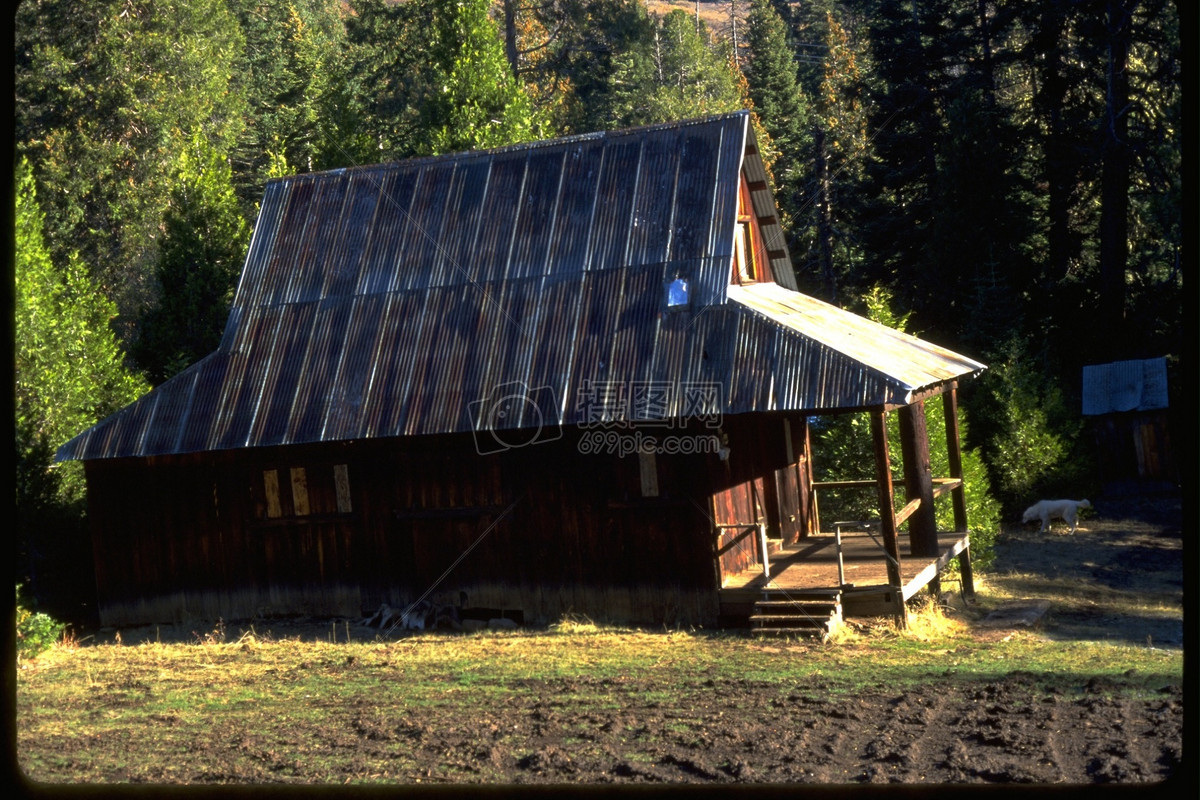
(381, 617)
(411, 619)
(1046, 510)
(414, 617)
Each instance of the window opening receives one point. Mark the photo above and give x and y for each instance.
(299, 491)
(677, 293)
(271, 491)
(649, 470)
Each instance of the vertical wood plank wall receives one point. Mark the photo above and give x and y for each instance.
(766, 479)
(339, 529)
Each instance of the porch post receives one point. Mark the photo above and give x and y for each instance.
(958, 496)
(812, 519)
(918, 479)
(887, 507)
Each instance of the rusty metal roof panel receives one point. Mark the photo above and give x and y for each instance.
(570, 246)
(698, 185)
(406, 299)
(610, 225)
(342, 270)
(539, 202)
(343, 416)
(655, 201)
(386, 395)
(383, 231)
(901, 361)
(562, 310)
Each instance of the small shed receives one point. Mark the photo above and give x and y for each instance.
(1126, 404)
(569, 376)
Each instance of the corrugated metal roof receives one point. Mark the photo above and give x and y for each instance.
(1119, 386)
(887, 356)
(513, 288)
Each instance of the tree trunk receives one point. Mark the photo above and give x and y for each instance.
(510, 37)
(1114, 179)
(824, 215)
(1058, 157)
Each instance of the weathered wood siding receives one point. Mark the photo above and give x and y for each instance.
(1135, 446)
(338, 529)
(764, 480)
(794, 482)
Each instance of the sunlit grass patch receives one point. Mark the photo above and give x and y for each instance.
(575, 625)
(930, 620)
(1072, 594)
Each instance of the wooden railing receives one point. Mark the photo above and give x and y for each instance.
(747, 530)
(940, 487)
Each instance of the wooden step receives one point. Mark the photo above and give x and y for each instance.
(798, 606)
(796, 618)
(801, 594)
(800, 613)
(804, 620)
(807, 633)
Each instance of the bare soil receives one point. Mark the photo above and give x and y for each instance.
(1011, 731)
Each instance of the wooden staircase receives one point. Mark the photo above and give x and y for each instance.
(797, 612)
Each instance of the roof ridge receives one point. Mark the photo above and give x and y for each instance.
(535, 144)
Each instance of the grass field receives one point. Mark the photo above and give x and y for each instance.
(251, 708)
(1090, 693)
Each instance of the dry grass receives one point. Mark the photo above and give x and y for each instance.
(715, 14)
(929, 620)
(1070, 594)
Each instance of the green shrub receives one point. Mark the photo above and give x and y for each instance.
(844, 450)
(36, 631)
(1029, 434)
(983, 510)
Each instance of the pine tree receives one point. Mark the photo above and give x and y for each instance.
(677, 72)
(199, 262)
(770, 69)
(472, 99)
(108, 95)
(597, 53)
(292, 72)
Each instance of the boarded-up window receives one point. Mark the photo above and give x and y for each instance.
(271, 491)
(649, 468)
(341, 480)
(290, 492)
(299, 491)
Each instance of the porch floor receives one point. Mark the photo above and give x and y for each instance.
(812, 564)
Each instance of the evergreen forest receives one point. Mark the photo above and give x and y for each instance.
(1001, 177)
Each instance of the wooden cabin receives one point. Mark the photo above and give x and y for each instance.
(565, 377)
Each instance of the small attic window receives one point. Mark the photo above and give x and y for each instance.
(751, 262)
(677, 293)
